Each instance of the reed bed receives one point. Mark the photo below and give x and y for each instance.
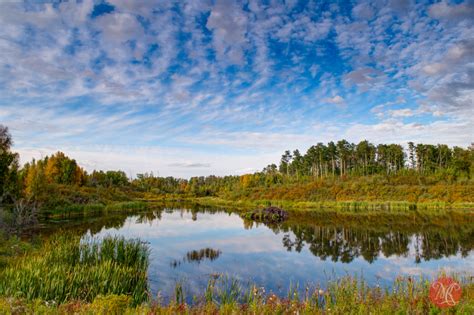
(78, 208)
(343, 206)
(128, 205)
(97, 208)
(67, 268)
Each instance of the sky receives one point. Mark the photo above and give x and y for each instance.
(187, 88)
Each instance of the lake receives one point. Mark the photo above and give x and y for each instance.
(190, 244)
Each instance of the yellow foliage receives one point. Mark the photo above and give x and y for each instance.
(246, 180)
(110, 304)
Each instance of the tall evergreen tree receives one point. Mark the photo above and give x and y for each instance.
(9, 165)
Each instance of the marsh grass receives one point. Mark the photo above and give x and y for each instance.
(96, 208)
(90, 276)
(128, 205)
(67, 268)
(224, 291)
(225, 295)
(342, 206)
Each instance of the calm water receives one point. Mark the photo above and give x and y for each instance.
(191, 245)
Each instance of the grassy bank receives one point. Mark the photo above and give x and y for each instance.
(352, 206)
(374, 188)
(344, 296)
(66, 269)
(83, 209)
(64, 276)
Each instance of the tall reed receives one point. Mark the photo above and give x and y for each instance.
(70, 269)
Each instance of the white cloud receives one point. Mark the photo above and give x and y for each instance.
(161, 161)
(363, 11)
(118, 28)
(314, 69)
(394, 131)
(404, 112)
(189, 164)
(364, 78)
(334, 100)
(151, 71)
(434, 68)
(229, 25)
(443, 10)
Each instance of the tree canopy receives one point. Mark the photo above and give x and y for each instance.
(335, 160)
(8, 164)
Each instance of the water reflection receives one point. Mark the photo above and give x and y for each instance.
(341, 244)
(205, 253)
(196, 256)
(196, 242)
(391, 235)
(340, 238)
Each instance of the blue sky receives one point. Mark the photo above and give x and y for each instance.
(223, 87)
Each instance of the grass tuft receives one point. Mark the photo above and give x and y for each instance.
(68, 269)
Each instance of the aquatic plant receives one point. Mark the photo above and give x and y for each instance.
(179, 293)
(223, 290)
(67, 269)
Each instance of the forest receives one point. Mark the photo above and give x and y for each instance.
(336, 171)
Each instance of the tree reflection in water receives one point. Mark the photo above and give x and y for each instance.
(327, 235)
(348, 241)
(198, 256)
(205, 253)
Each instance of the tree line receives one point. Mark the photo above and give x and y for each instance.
(340, 159)
(344, 158)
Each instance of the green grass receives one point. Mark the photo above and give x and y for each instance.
(12, 247)
(126, 206)
(66, 269)
(225, 295)
(350, 206)
(85, 209)
(79, 208)
(66, 275)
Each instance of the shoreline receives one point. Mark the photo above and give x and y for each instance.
(353, 206)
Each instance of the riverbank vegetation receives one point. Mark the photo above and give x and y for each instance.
(67, 268)
(342, 175)
(343, 296)
(60, 274)
(63, 275)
